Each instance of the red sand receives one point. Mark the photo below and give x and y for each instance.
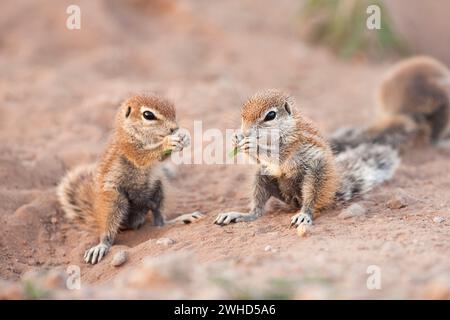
(59, 90)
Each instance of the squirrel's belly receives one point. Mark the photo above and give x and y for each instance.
(142, 194)
(291, 191)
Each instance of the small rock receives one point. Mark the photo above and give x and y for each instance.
(399, 200)
(268, 248)
(354, 210)
(119, 258)
(303, 230)
(53, 220)
(438, 219)
(165, 241)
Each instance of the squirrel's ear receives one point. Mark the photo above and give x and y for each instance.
(128, 112)
(287, 107)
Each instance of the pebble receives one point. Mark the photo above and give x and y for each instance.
(119, 258)
(53, 220)
(270, 249)
(354, 210)
(399, 200)
(438, 219)
(165, 241)
(304, 230)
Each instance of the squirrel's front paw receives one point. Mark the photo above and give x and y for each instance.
(177, 142)
(96, 253)
(301, 218)
(248, 145)
(237, 138)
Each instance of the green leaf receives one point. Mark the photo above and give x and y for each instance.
(234, 153)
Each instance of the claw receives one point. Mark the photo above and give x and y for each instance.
(178, 141)
(95, 254)
(237, 138)
(187, 218)
(230, 217)
(87, 256)
(101, 254)
(301, 218)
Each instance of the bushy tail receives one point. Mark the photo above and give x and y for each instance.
(395, 133)
(364, 167)
(76, 196)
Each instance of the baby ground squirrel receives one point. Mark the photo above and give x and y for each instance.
(414, 106)
(118, 191)
(304, 173)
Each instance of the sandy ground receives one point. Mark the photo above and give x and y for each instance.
(59, 90)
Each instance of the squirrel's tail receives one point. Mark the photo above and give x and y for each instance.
(396, 132)
(76, 196)
(364, 167)
(415, 106)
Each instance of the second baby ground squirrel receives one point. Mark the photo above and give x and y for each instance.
(304, 174)
(414, 107)
(119, 190)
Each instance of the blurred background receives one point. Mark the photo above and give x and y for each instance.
(60, 88)
(243, 45)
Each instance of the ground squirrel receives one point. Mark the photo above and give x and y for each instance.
(414, 106)
(304, 174)
(118, 191)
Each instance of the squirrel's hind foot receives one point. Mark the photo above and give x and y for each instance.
(187, 218)
(233, 217)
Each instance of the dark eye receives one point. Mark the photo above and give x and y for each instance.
(148, 115)
(270, 116)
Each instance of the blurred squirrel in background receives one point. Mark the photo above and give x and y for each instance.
(413, 104)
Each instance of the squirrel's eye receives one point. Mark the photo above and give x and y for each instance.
(148, 115)
(270, 116)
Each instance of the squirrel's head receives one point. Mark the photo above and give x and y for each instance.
(147, 118)
(268, 110)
